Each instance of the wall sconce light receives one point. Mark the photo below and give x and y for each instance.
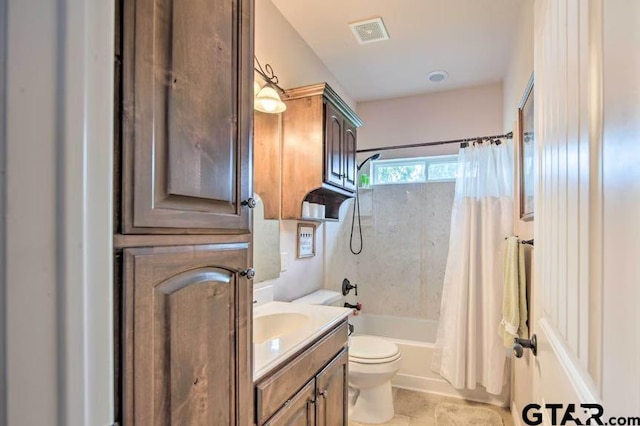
(267, 99)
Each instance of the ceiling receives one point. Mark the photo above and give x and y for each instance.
(470, 39)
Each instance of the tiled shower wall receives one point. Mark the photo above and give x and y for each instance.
(406, 239)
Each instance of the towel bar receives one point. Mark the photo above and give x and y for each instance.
(527, 242)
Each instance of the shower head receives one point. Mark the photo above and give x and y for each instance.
(373, 157)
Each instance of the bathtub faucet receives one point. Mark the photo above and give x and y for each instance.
(357, 306)
(347, 286)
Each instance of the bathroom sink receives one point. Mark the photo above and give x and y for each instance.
(267, 327)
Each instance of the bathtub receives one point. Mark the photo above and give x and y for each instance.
(415, 339)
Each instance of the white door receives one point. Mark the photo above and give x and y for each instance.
(587, 219)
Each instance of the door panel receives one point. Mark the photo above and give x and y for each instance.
(184, 361)
(186, 126)
(567, 245)
(334, 128)
(331, 405)
(299, 410)
(350, 172)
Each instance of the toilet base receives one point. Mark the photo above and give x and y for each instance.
(374, 405)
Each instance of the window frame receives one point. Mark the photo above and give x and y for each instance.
(410, 161)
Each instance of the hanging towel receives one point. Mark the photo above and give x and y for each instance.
(514, 302)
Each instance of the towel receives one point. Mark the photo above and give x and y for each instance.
(514, 297)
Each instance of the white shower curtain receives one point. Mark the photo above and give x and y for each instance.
(469, 350)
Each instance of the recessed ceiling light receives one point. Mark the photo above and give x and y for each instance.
(437, 76)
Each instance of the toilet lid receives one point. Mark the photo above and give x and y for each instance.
(369, 347)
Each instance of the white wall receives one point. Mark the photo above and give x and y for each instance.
(295, 64)
(59, 108)
(620, 342)
(520, 65)
(292, 59)
(454, 114)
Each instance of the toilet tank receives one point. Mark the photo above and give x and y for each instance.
(321, 297)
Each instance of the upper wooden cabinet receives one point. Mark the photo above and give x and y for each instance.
(318, 150)
(187, 87)
(340, 149)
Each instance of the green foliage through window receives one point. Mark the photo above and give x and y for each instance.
(401, 173)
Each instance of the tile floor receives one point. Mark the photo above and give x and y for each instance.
(418, 408)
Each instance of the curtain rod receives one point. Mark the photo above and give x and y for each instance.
(417, 145)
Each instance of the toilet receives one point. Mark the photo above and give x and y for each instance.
(373, 362)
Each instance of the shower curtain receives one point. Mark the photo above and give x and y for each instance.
(469, 350)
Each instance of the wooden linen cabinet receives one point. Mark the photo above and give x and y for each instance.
(183, 159)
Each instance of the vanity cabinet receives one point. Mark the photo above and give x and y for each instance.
(299, 410)
(187, 345)
(321, 402)
(319, 142)
(186, 114)
(311, 388)
(332, 392)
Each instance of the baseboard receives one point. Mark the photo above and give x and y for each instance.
(441, 387)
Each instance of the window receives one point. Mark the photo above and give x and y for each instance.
(414, 170)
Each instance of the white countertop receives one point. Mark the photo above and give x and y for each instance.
(271, 353)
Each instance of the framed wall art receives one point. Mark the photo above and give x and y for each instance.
(306, 240)
(526, 153)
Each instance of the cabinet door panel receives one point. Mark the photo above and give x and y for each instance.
(186, 115)
(299, 410)
(202, 103)
(183, 341)
(350, 172)
(331, 405)
(334, 134)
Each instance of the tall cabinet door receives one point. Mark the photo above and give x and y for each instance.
(187, 116)
(334, 134)
(187, 336)
(350, 172)
(332, 390)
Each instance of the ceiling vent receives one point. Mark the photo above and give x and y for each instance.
(369, 31)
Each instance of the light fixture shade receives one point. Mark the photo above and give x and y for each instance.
(269, 101)
(256, 88)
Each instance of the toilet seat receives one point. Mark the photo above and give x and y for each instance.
(372, 350)
(374, 360)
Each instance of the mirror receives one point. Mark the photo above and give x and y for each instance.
(266, 244)
(266, 184)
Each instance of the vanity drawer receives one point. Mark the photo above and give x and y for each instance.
(274, 391)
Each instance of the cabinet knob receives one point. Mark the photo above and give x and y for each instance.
(248, 273)
(250, 202)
